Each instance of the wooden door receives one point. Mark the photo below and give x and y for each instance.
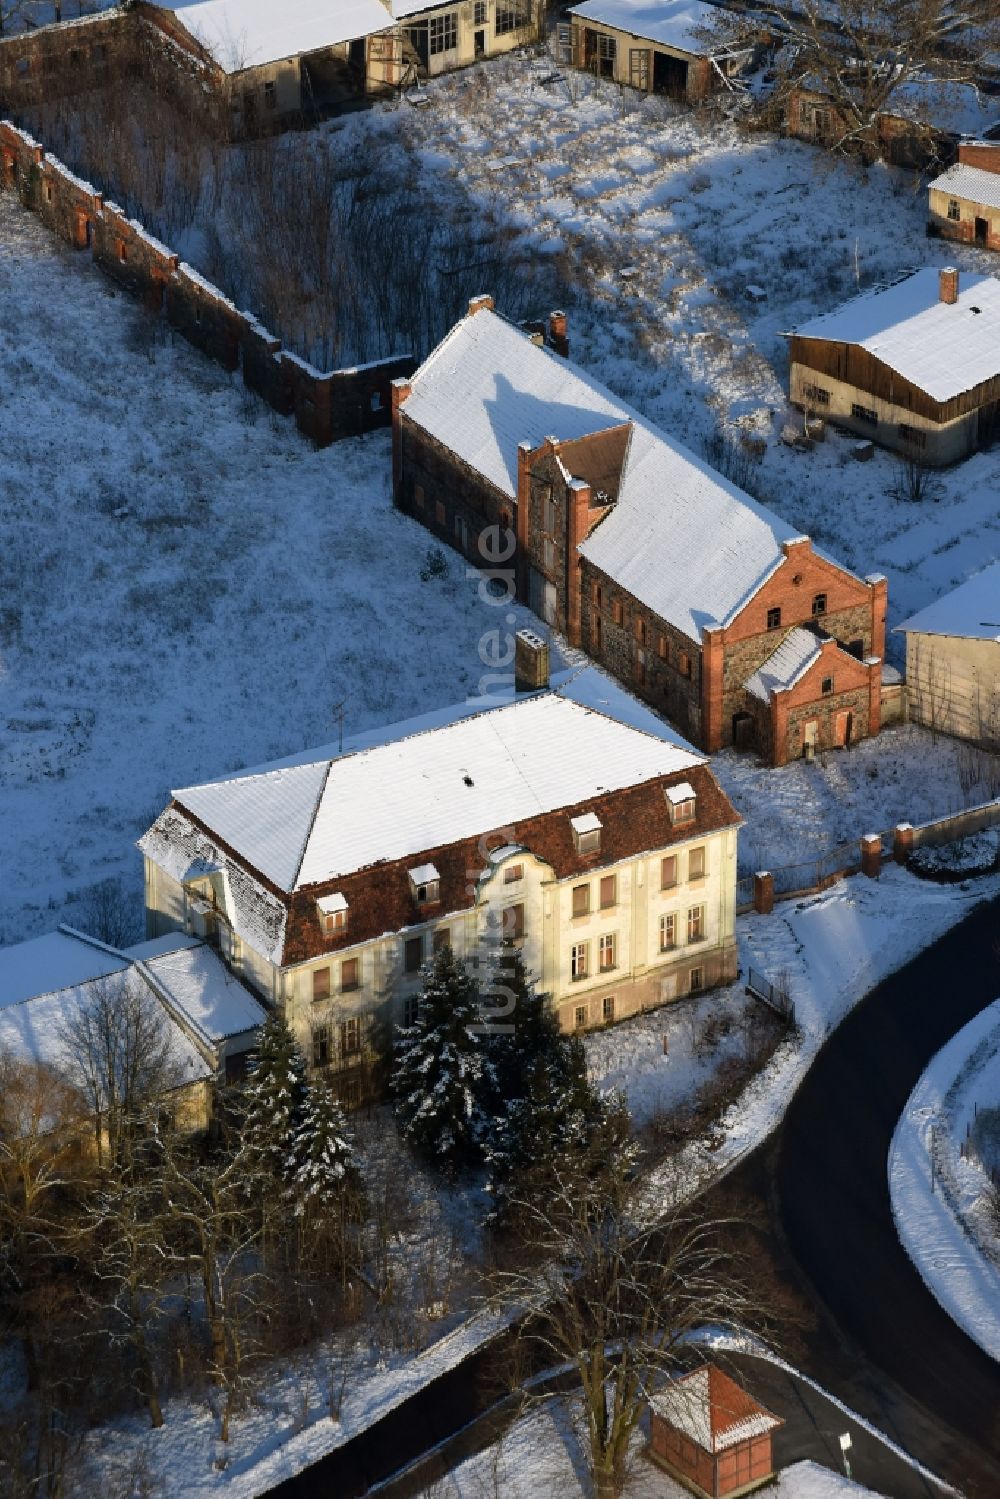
(638, 68)
(842, 730)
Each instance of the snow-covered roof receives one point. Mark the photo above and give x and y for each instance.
(953, 108)
(971, 183)
(678, 794)
(786, 664)
(252, 33)
(417, 792)
(213, 1001)
(58, 960)
(331, 904)
(681, 539)
(675, 23)
(942, 348)
(971, 611)
(589, 822)
(712, 1409)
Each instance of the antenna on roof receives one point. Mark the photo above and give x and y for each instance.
(338, 713)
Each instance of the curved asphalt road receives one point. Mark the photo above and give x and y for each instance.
(833, 1202)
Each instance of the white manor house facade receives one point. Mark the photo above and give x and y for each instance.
(606, 851)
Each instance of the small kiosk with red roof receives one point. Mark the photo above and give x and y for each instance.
(708, 1432)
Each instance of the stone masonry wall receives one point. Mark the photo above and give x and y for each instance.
(327, 405)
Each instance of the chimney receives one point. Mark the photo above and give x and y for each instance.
(482, 303)
(948, 285)
(558, 337)
(531, 661)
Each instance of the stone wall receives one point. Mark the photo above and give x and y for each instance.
(327, 405)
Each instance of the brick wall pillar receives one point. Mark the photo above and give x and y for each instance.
(763, 892)
(874, 666)
(880, 598)
(578, 498)
(400, 391)
(523, 518)
(779, 727)
(713, 642)
(902, 842)
(871, 855)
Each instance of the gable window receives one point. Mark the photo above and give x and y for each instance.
(413, 954)
(443, 32)
(607, 951)
(425, 885)
(581, 900)
(350, 975)
(608, 1007)
(826, 686)
(332, 914)
(696, 924)
(668, 932)
(321, 1045)
(609, 891)
(668, 872)
(512, 873)
(321, 983)
(954, 210)
(587, 833)
(696, 864)
(513, 923)
(774, 619)
(350, 1036)
(864, 414)
(681, 802)
(578, 960)
(818, 604)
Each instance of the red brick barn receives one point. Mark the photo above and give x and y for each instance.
(707, 1431)
(706, 604)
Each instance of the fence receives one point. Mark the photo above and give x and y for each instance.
(777, 998)
(327, 405)
(958, 825)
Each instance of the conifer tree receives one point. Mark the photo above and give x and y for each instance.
(275, 1100)
(440, 1068)
(326, 1172)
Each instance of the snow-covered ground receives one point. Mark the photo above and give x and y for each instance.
(940, 1197)
(541, 1453)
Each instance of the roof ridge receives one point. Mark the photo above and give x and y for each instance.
(309, 830)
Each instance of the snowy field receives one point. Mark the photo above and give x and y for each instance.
(945, 1227)
(542, 1454)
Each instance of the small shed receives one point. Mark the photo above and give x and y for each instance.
(953, 661)
(708, 1432)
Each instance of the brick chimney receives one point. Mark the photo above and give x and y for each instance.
(531, 661)
(948, 285)
(558, 336)
(482, 303)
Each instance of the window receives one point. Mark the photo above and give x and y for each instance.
(418, 496)
(443, 33)
(334, 923)
(668, 932)
(122, 251)
(826, 686)
(774, 619)
(607, 951)
(580, 1018)
(440, 515)
(598, 632)
(270, 95)
(350, 1037)
(662, 649)
(696, 923)
(607, 48)
(864, 414)
(954, 210)
(598, 595)
(912, 435)
(513, 923)
(608, 1007)
(425, 885)
(815, 395)
(619, 612)
(321, 1045)
(512, 873)
(682, 803)
(548, 554)
(581, 900)
(818, 604)
(479, 13)
(411, 1010)
(696, 864)
(578, 960)
(668, 872)
(697, 982)
(509, 17)
(609, 891)
(640, 630)
(684, 664)
(321, 983)
(350, 975)
(587, 833)
(413, 954)
(48, 192)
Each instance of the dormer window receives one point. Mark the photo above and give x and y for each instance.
(332, 914)
(587, 833)
(682, 803)
(425, 885)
